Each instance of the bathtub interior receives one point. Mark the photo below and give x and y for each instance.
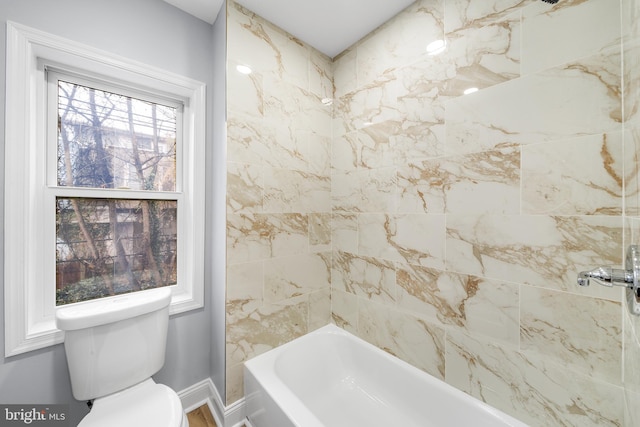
(355, 389)
(337, 379)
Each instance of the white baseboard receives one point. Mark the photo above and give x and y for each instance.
(235, 414)
(205, 392)
(196, 395)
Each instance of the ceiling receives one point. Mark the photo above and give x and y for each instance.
(207, 10)
(330, 26)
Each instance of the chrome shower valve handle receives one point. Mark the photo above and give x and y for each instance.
(607, 276)
(629, 278)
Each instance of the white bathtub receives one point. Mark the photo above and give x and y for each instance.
(331, 378)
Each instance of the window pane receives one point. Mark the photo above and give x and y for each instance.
(107, 140)
(112, 246)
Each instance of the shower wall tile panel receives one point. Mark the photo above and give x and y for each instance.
(528, 178)
(559, 327)
(534, 389)
(577, 176)
(409, 337)
(278, 190)
(537, 250)
(573, 99)
(473, 304)
(593, 26)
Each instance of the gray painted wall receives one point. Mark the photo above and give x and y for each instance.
(215, 270)
(153, 32)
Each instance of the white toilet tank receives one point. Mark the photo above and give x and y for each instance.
(116, 342)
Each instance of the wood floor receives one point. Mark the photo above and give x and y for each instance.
(201, 417)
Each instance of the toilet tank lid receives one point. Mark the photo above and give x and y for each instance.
(111, 309)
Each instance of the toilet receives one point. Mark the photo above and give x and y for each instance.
(113, 346)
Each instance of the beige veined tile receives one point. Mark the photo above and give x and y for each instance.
(593, 24)
(539, 250)
(561, 326)
(580, 176)
(534, 390)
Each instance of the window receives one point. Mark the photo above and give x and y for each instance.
(104, 176)
(118, 144)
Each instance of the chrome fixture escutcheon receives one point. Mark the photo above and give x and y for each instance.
(628, 278)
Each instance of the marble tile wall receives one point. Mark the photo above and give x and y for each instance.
(278, 190)
(460, 221)
(445, 228)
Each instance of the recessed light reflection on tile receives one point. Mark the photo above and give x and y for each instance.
(327, 101)
(436, 47)
(470, 90)
(243, 69)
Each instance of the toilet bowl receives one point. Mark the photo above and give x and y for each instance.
(113, 346)
(144, 404)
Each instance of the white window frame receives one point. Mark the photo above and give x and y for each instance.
(29, 224)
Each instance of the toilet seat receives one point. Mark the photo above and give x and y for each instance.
(146, 403)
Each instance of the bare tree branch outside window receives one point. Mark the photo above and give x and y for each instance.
(107, 246)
